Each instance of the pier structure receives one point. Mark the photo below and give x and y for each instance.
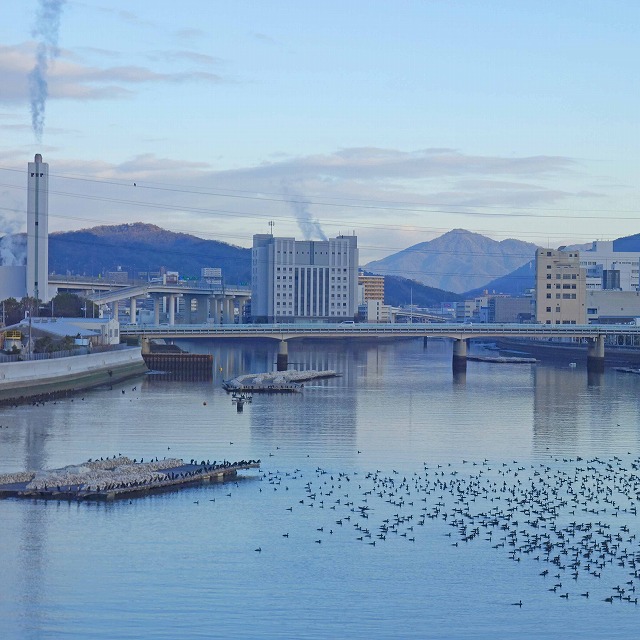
(595, 354)
(282, 363)
(117, 478)
(459, 360)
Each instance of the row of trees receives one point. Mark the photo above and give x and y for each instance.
(64, 305)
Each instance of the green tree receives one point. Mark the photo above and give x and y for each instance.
(44, 345)
(13, 312)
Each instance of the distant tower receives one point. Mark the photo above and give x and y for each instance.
(38, 229)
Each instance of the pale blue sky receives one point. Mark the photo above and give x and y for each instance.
(396, 120)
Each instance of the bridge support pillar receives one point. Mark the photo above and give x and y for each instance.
(459, 362)
(241, 304)
(156, 310)
(282, 364)
(133, 311)
(595, 355)
(425, 342)
(172, 309)
(227, 310)
(215, 310)
(116, 310)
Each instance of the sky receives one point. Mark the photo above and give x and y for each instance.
(395, 120)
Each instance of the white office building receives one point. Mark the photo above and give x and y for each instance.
(303, 281)
(611, 270)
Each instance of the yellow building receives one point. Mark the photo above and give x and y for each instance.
(560, 287)
(373, 287)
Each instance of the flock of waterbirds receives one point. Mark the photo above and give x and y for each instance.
(576, 518)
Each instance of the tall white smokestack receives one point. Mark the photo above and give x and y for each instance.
(38, 229)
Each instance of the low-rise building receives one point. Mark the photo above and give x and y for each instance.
(506, 309)
(616, 307)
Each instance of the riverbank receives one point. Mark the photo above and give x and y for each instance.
(45, 379)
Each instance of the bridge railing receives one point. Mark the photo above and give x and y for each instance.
(362, 329)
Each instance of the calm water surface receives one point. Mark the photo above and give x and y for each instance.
(378, 441)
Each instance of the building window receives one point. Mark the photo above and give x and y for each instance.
(548, 295)
(593, 311)
(557, 309)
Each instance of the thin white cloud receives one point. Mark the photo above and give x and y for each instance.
(189, 34)
(191, 56)
(389, 203)
(72, 79)
(393, 165)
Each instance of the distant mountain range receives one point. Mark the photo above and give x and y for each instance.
(456, 265)
(523, 278)
(457, 261)
(402, 291)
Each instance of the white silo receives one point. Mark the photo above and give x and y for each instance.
(38, 229)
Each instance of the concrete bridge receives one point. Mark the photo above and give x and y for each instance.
(595, 334)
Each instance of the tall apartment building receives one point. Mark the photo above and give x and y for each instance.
(560, 287)
(306, 280)
(372, 288)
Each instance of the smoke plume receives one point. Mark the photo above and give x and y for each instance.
(13, 250)
(310, 227)
(45, 32)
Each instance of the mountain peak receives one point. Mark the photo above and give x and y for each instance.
(457, 261)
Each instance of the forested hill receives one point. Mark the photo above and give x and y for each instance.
(142, 247)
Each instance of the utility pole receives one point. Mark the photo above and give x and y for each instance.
(411, 307)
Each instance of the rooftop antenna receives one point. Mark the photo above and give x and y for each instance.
(271, 225)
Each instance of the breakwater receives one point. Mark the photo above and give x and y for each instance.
(181, 366)
(117, 477)
(278, 382)
(502, 359)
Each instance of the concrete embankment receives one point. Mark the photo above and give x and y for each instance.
(20, 381)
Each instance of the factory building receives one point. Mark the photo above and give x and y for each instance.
(19, 280)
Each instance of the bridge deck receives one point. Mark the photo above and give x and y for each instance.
(363, 330)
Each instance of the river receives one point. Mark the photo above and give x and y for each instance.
(470, 487)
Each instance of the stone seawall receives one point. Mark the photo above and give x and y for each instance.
(41, 378)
